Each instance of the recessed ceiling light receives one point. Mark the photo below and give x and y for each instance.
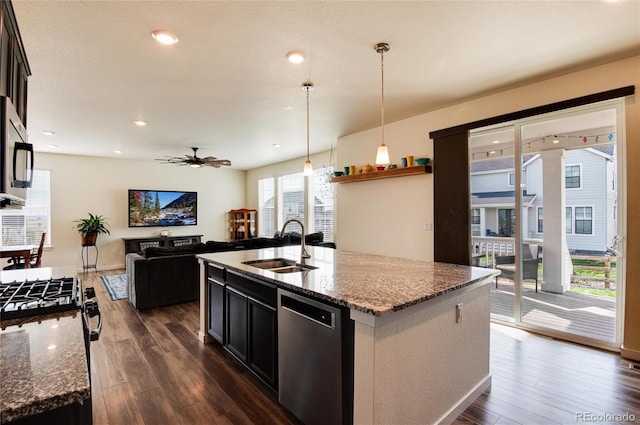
(295, 56)
(556, 141)
(277, 145)
(140, 123)
(164, 37)
(52, 146)
(496, 141)
(118, 151)
(48, 132)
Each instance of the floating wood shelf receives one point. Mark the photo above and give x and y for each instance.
(385, 174)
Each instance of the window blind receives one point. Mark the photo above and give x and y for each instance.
(25, 226)
(266, 207)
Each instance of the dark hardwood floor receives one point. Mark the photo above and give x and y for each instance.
(149, 368)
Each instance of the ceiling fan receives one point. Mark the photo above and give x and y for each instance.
(194, 161)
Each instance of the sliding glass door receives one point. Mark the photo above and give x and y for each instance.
(555, 235)
(493, 209)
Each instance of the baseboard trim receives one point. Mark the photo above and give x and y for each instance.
(204, 338)
(465, 402)
(630, 354)
(101, 268)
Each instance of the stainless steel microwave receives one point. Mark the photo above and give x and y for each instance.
(17, 157)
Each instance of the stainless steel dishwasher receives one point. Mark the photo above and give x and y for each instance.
(315, 360)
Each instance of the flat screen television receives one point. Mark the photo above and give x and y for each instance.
(161, 208)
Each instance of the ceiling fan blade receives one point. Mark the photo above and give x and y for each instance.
(211, 161)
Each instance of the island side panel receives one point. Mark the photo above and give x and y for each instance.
(418, 365)
(363, 367)
(203, 334)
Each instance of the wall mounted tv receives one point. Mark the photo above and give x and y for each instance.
(161, 208)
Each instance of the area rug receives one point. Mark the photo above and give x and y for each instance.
(116, 285)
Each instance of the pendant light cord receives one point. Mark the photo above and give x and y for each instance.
(382, 97)
(307, 88)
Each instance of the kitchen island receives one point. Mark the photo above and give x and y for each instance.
(420, 330)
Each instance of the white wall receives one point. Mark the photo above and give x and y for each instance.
(82, 184)
(387, 216)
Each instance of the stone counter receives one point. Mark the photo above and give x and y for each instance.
(420, 329)
(43, 365)
(372, 284)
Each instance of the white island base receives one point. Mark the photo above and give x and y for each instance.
(420, 365)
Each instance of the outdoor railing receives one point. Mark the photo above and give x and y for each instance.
(485, 248)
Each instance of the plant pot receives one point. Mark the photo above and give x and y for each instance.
(89, 239)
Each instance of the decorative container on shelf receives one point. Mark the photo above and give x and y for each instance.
(385, 174)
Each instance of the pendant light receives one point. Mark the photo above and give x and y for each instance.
(308, 168)
(382, 157)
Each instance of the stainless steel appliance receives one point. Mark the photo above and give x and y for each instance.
(34, 292)
(17, 157)
(315, 360)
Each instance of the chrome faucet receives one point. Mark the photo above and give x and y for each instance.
(303, 254)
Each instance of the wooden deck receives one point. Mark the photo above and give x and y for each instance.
(579, 314)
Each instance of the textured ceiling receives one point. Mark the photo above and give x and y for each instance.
(227, 88)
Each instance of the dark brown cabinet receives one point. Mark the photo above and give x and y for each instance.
(14, 67)
(215, 280)
(243, 224)
(236, 304)
(263, 343)
(243, 317)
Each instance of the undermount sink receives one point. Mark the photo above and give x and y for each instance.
(279, 265)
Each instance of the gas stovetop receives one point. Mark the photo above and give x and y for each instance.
(26, 298)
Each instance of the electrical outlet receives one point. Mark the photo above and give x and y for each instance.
(427, 227)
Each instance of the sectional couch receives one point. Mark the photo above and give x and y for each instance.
(161, 276)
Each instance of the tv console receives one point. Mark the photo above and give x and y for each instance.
(134, 244)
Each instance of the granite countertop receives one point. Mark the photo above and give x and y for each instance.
(43, 364)
(373, 284)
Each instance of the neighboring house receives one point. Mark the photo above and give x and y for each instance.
(293, 207)
(590, 198)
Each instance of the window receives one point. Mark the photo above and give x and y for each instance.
(512, 179)
(266, 206)
(322, 203)
(475, 216)
(569, 220)
(25, 226)
(506, 222)
(583, 221)
(286, 198)
(572, 176)
(540, 216)
(292, 200)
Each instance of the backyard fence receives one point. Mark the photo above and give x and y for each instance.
(608, 277)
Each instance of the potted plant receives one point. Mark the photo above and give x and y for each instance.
(91, 227)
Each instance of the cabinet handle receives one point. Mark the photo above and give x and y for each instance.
(229, 288)
(262, 303)
(210, 279)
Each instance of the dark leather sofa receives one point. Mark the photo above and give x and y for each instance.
(161, 276)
